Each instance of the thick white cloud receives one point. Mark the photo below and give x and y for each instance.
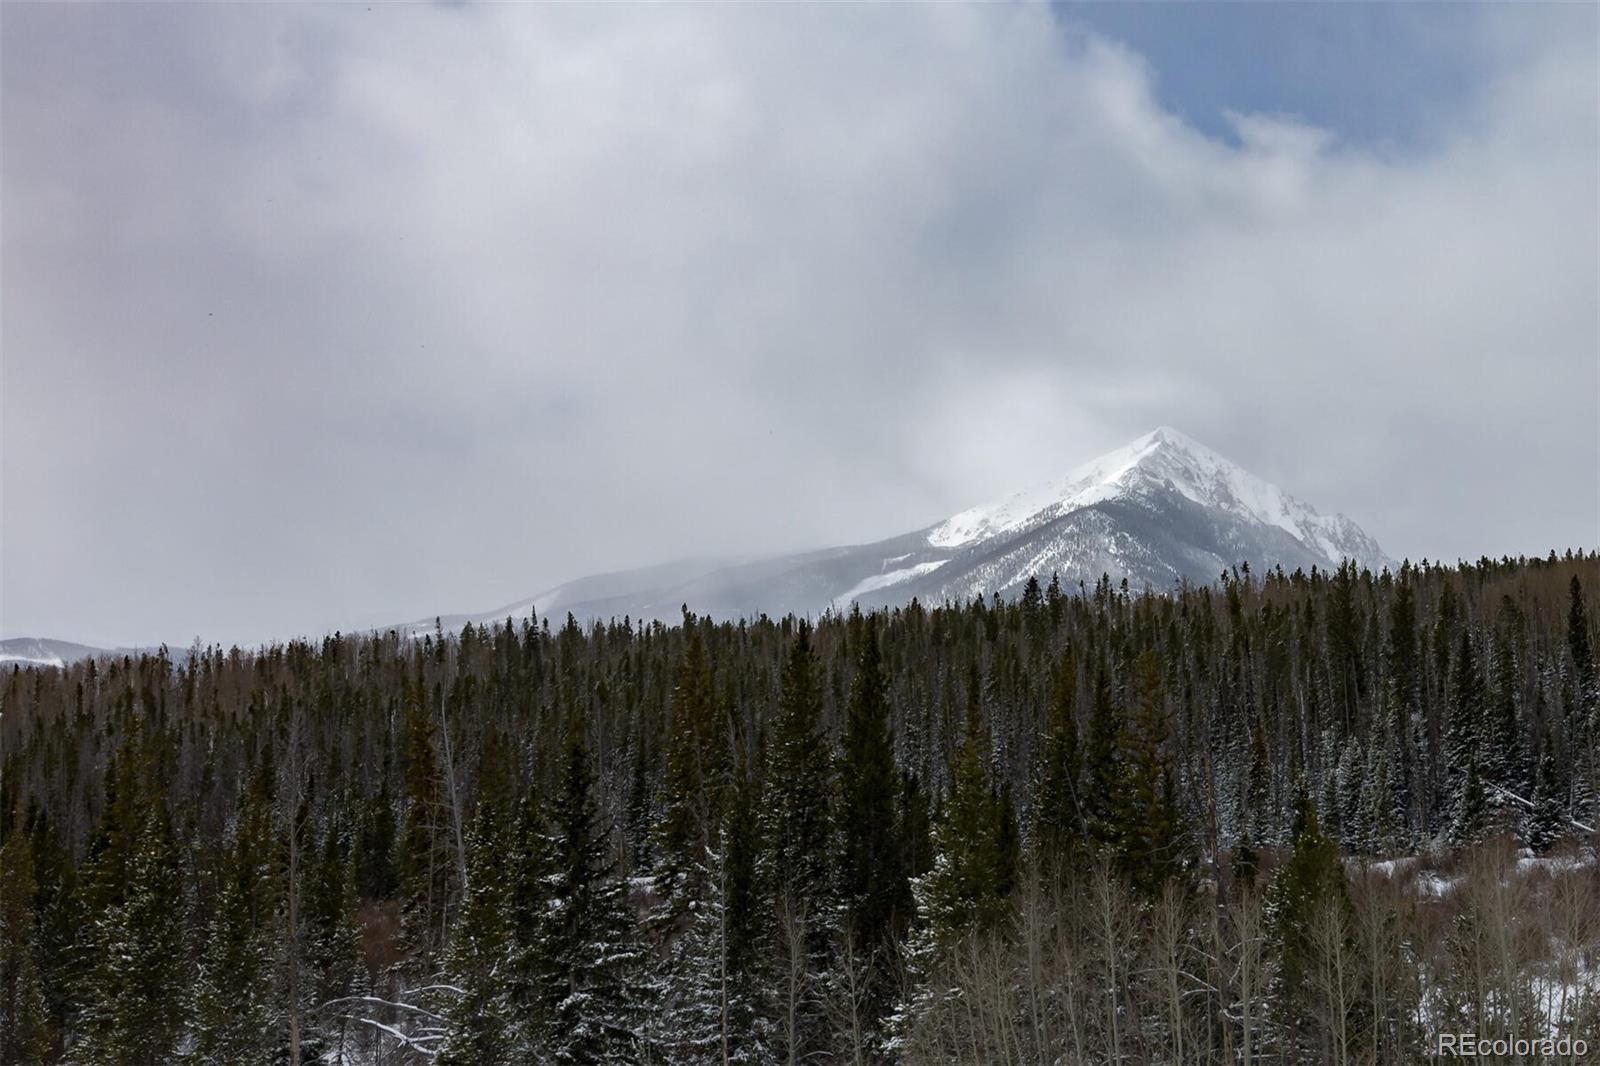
(322, 316)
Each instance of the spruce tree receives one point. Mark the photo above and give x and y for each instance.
(237, 1000)
(425, 863)
(482, 943)
(717, 1003)
(1547, 820)
(1058, 823)
(795, 813)
(1464, 737)
(60, 922)
(696, 776)
(24, 1026)
(1102, 770)
(530, 858)
(1309, 885)
(1470, 819)
(139, 990)
(1578, 642)
(589, 956)
(915, 819)
(966, 889)
(872, 886)
(1146, 836)
(1505, 761)
(375, 874)
(332, 946)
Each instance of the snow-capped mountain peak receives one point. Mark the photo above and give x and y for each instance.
(1161, 510)
(1164, 458)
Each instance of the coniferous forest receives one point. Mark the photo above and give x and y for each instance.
(1308, 818)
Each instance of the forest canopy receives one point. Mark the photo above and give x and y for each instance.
(1317, 817)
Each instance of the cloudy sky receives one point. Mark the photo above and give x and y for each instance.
(323, 316)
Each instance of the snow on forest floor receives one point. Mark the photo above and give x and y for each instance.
(1434, 880)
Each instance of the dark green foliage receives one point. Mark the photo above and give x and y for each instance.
(1506, 763)
(972, 874)
(236, 998)
(781, 784)
(1102, 769)
(425, 860)
(482, 940)
(1059, 831)
(1547, 820)
(696, 770)
(872, 883)
(1470, 820)
(1464, 742)
(59, 921)
(586, 950)
(1307, 892)
(24, 1026)
(1146, 838)
(375, 874)
(1579, 645)
(796, 808)
(332, 945)
(136, 1009)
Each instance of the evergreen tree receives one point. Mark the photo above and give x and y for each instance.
(717, 990)
(966, 889)
(237, 996)
(138, 997)
(376, 877)
(696, 775)
(1035, 618)
(425, 862)
(1309, 885)
(1547, 821)
(482, 942)
(24, 1027)
(60, 921)
(795, 812)
(916, 827)
(1505, 762)
(872, 886)
(332, 950)
(1464, 738)
(586, 938)
(1471, 817)
(1102, 769)
(1058, 822)
(1146, 837)
(745, 926)
(1578, 642)
(531, 855)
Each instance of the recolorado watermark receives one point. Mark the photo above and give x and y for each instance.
(1473, 1046)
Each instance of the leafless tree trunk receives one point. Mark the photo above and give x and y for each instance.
(294, 770)
(1248, 971)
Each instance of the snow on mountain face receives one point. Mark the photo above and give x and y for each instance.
(1162, 510)
(1159, 511)
(1166, 459)
(33, 651)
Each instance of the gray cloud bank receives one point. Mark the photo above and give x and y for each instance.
(325, 316)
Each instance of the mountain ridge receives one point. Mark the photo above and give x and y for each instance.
(1160, 510)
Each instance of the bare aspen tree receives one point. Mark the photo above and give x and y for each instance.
(453, 793)
(795, 976)
(1336, 983)
(1246, 946)
(1170, 927)
(294, 786)
(1034, 931)
(1111, 929)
